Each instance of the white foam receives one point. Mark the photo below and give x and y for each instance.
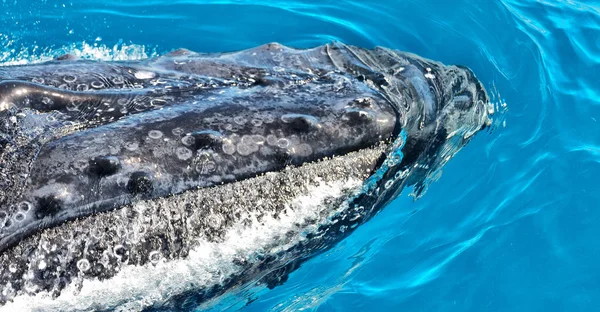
(209, 263)
(83, 50)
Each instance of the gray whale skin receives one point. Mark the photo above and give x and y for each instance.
(163, 183)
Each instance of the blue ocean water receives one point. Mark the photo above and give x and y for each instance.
(512, 224)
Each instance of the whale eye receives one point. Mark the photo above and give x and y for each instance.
(140, 183)
(103, 166)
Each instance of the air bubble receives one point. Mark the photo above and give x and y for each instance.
(239, 120)
(256, 122)
(206, 167)
(83, 265)
(283, 143)
(303, 150)
(82, 87)
(69, 79)
(42, 265)
(389, 184)
(47, 101)
(188, 140)
(155, 134)
(154, 257)
(228, 148)
(12, 268)
(119, 251)
(19, 216)
(131, 146)
(258, 139)
(97, 84)
(177, 131)
(271, 140)
(183, 153)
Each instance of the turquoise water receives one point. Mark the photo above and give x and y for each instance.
(512, 224)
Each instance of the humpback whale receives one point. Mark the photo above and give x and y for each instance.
(161, 183)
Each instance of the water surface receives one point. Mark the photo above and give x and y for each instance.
(511, 225)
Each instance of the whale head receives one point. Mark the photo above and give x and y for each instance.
(227, 166)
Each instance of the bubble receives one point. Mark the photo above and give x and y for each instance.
(303, 150)
(131, 146)
(246, 149)
(206, 167)
(256, 122)
(258, 139)
(118, 80)
(69, 79)
(47, 101)
(269, 118)
(119, 251)
(228, 148)
(12, 268)
(283, 143)
(82, 87)
(97, 84)
(19, 216)
(42, 265)
(122, 232)
(97, 233)
(154, 257)
(389, 184)
(83, 265)
(278, 69)
(122, 101)
(183, 153)
(239, 120)
(278, 57)
(177, 131)
(188, 140)
(155, 134)
(271, 140)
